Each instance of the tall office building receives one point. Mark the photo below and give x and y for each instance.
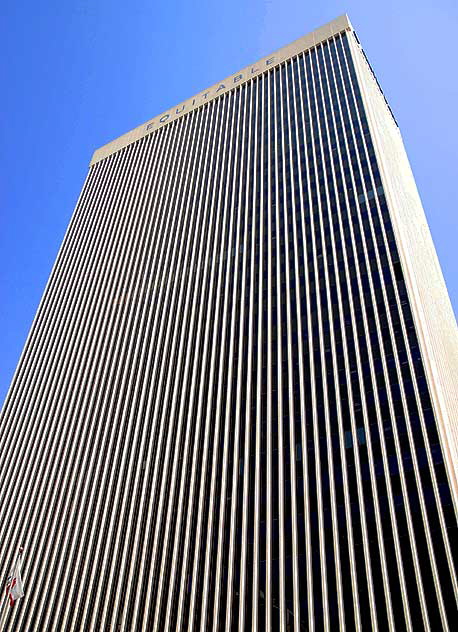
(237, 407)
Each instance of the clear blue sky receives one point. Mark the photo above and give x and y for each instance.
(77, 74)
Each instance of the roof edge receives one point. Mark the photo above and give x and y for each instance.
(342, 23)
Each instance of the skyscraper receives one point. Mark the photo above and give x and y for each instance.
(236, 408)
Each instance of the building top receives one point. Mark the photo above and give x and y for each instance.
(302, 44)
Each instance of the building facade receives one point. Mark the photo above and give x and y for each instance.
(237, 408)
